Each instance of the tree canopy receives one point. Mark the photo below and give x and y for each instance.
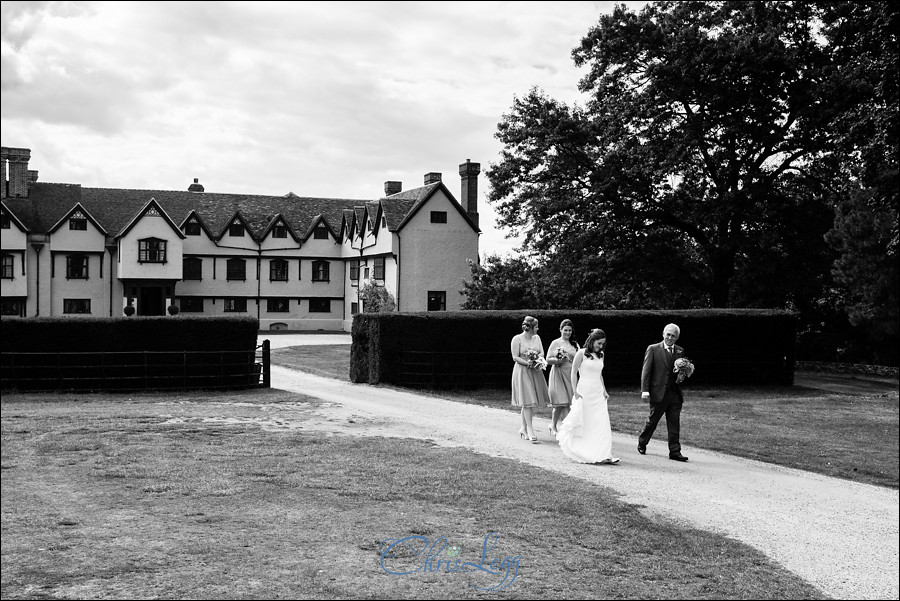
(705, 164)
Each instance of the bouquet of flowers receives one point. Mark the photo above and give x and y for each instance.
(684, 368)
(562, 354)
(537, 362)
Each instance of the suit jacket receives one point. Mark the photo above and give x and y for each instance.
(657, 374)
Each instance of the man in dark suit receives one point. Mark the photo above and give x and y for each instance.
(660, 387)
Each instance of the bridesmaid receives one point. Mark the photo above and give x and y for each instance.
(559, 356)
(529, 387)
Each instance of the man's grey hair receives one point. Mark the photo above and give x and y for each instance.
(672, 325)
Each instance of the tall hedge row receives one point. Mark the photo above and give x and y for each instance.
(134, 353)
(64, 334)
(471, 349)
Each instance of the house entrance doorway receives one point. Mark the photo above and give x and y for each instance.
(152, 301)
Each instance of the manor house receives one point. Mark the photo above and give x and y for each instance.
(294, 262)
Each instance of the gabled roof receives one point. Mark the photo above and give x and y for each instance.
(348, 223)
(276, 219)
(401, 207)
(193, 214)
(320, 219)
(78, 209)
(151, 207)
(240, 219)
(12, 217)
(115, 208)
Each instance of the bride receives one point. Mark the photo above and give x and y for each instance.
(585, 435)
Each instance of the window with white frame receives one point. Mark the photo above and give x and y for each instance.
(235, 305)
(76, 267)
(321, 271)
(278, 270)
(151, 250)
(192, 268)
(191, 304)
(8, 263)
(11, 306)
(437, 300)
(320, 305)
(236, 269)
(77, 221)
(277, 305)
(77, 306)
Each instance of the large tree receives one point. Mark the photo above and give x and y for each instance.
(696, 162)
(863, 41)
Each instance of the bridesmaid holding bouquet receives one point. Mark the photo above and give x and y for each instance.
(529, 387)
(559, 356)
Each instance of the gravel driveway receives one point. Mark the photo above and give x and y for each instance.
(841, 536)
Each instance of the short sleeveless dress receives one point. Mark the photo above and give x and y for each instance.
(561, 381)
(529, 387)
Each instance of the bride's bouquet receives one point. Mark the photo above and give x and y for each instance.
(537, 362)
(684, 368)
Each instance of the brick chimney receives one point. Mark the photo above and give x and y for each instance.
(195, 187)
(392, 188)
(432, 178)
(18, 171)
(468, 172)
(32, 176)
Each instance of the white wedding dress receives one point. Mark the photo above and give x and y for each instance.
(585, 435)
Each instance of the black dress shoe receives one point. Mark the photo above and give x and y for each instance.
(642, 449)
(678, 457)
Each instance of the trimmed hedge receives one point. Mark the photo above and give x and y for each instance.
(128, 353)
(470, 349)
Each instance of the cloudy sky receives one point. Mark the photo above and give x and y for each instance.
(326, 99)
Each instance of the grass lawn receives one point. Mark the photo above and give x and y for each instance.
(227, 495)
(844, 435)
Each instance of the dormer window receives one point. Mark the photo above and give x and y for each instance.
(320, 233)
(151, 250)
(192, 228)
(279, 231)
(236, 230)
(78, 221)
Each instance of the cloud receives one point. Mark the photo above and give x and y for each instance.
(318, 98)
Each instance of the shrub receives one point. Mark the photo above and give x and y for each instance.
(376, 299)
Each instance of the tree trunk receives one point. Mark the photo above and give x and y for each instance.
(722, 264)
